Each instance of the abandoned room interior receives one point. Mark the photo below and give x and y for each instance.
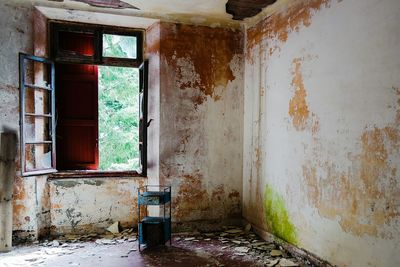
(200, 133)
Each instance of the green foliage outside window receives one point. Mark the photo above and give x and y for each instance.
(118, 115)
(119, 46)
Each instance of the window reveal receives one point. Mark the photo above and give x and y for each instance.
(76, 120)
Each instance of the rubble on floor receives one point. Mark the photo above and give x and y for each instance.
(231, 247)
(239, 247)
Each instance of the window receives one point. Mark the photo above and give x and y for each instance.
(118, 118)
(93, 46)
(126, 44)
(68, 122)
(37, 115)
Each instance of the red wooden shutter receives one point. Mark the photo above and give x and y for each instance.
(77, 118)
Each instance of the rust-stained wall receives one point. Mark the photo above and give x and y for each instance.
(201, 109)
(22, 27)
(322, 128)
(90, 205)
(196, 96)
(24, 30)
(16, 21)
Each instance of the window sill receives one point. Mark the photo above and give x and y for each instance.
(94, 174)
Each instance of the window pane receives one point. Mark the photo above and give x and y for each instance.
(37, 73)
(67, 43)
(37, 157)
(37, 101)
(36, 114)
(119, 46)
(118, 118)
(37, 129)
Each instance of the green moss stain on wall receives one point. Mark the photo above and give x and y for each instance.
(277, 216)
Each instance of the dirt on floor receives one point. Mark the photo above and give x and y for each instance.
(232, 247)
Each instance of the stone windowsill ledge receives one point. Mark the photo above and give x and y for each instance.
(94, 174)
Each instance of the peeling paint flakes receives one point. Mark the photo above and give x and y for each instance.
(201, 57)
(315, 127)
(186, 74)
(298, 108)
(375, 155)
(365, 197)
(276, 27)
(191, 196)
(397, 119)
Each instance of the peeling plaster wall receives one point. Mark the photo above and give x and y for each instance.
(15, 32)
(24, 30)
(201, 124)
(90, 205)
(194, 139)
(321, 129)
(31, 211)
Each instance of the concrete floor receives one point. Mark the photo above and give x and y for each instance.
(215, 249)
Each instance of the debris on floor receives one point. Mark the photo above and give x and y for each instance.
(239, 247)
(232, 247)
(114, 228)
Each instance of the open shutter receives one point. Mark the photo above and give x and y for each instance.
(143, 124)
(37, 121)
(77, 117)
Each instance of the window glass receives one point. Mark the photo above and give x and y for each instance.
(38, 157)
(67, 43)
(37, 128)
(119, 46)
(36, 101)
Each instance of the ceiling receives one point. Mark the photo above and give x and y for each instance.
(163, 7)
(206, 12)
(241, 9)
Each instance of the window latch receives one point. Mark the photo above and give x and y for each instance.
(149, 122)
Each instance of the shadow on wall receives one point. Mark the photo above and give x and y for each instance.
(7, 129)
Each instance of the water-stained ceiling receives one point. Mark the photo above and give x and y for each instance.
(241, 9)
(218, 9)
(107, 3)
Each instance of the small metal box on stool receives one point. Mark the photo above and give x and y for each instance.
(154, 230)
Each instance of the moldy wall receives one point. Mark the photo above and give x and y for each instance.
(321, 132)
(314, 160)
(201, 120)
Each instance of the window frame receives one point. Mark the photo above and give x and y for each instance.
(98, 59)
(23, 87)
(143, 115)
(116, 61)
(97, 30)
(57, 56)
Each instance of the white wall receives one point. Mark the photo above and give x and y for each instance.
(321, 133)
